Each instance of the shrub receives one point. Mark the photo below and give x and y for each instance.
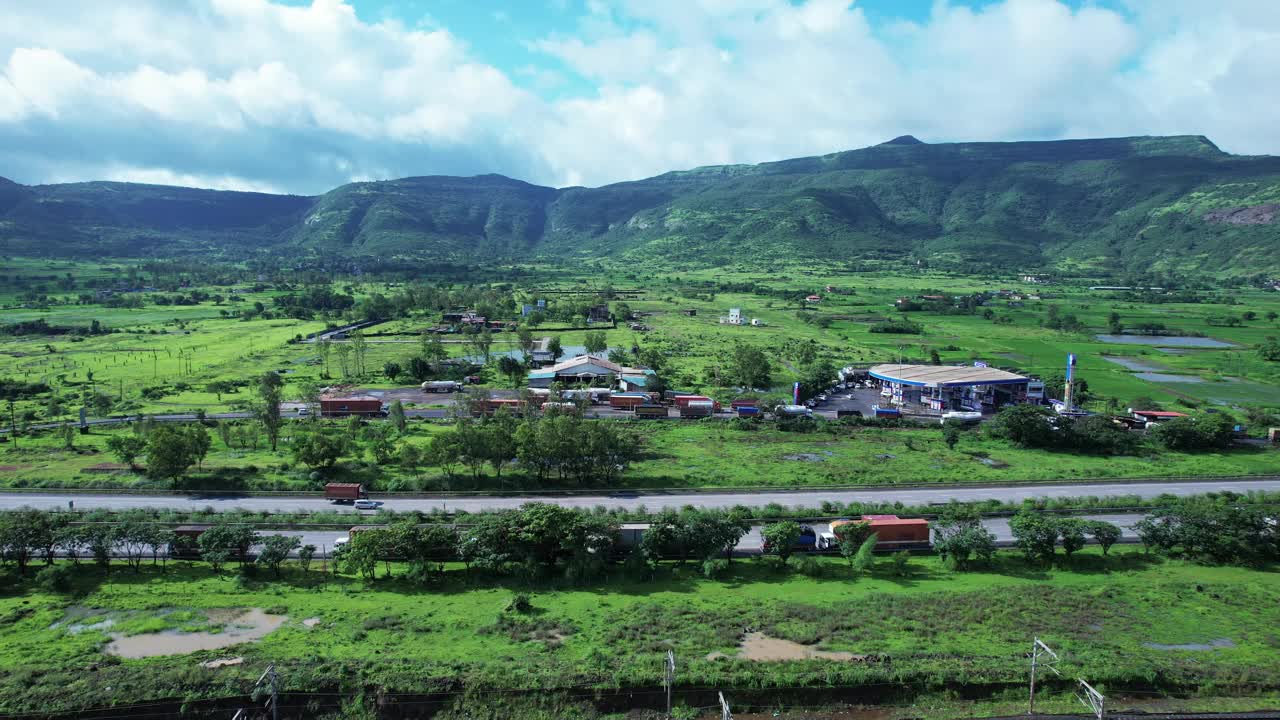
(714, 568)
(56, 578)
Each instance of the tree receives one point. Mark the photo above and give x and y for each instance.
(224, 541)
(780, 538)
(596, 342)
(319, 449)
(555, 348)
(1034, 534)
(749, 367)
(21, 535)
(275, 550)
(420, 369)
(512, 368)
(851, 536)
(268, 411)
(396, 416)
(1105, 533)
(524, 339)
(433, 349)
(305, 554)
(392, 370)
(960, 536)
(171, 449)
(126, 448)
(325, 347)
(480, 342)
(1204, 432)
(135, 539)
(1114, 326)
(1072, 531)
(951, 432)
(1025, 425)
(381, 443)
(864, 559)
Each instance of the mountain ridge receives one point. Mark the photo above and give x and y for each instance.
(1138, 201)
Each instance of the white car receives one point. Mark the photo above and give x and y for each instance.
(304, 411)
(365, 505)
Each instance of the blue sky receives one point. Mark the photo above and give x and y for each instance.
(303, 95)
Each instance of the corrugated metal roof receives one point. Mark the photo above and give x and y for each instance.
(944, 375)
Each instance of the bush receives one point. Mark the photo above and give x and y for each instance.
(714, 568)
(519, 603)
(56, 578)
(807, 565)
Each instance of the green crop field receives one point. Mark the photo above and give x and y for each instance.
(1113, 620)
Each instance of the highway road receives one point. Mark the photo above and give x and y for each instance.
(636, 500)
(752, 541)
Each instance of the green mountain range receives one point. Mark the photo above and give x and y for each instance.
(1119, 203)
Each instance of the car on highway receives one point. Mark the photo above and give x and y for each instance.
(365, 504)
(304, 411)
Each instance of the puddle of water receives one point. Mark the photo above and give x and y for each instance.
(761, 648)
(1211, 645)
(1167, 378)
(1135, 364)
(1164, 341)
(806, 457)
(241, 626)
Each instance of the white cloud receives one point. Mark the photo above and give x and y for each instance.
(254, 94)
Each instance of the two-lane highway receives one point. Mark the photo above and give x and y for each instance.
(915, 496)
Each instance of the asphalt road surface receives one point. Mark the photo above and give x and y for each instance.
(635, 500)
(752, 541)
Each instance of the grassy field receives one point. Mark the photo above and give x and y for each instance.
(923, 631)
(707, 454)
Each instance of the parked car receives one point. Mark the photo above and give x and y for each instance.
(304, 411)
(365, 504)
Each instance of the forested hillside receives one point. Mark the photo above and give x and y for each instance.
(1162, 202)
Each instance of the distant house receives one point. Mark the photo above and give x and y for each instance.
(585, 369)
(813, 299)
(733, 318)
(599, 313)
(1154, 417)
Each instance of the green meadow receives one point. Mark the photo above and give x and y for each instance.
(1113, 619)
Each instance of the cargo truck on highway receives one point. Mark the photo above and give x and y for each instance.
(697, 409)
(441, 386)
(343, 492)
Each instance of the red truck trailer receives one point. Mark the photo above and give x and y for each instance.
(343, 492)
(629, 401)
(364, 405)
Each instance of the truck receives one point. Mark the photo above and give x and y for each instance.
(629, 400)
(807, 540)
(748, 411)
(490, 406)
(886, 412)
(441, 386)
(682, 400)
(697, 409)
(961, 416)
(651, 412)
(793, 411)
(363, 405)
(343, 492)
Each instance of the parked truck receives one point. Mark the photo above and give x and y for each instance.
(629, 400)
(807, 540)
(682, 400)
(343, 492)
(441, 386)
(697, 409)
(651, 412)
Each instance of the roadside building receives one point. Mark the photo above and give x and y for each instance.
(586, 369)
(1149, 418)
(936, 389)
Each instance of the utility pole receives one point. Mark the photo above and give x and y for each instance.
(270, 678)
(1092, 699)
(1039, 649)
(669, 678)
(724, 708)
